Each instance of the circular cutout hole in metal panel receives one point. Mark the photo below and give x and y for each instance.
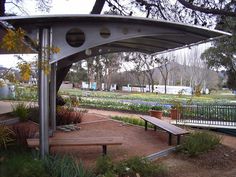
(75, 37)
(105, 32)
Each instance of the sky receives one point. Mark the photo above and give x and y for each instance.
(58, 7)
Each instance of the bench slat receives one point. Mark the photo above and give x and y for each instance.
(165, 125)
(90, 141)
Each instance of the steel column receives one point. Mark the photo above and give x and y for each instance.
(44, 55)
(53, 94)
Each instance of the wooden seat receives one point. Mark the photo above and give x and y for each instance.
(90, 141)
(171, 129)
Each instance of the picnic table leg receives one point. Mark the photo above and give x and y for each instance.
(170, 137)
(104, 150)
(145, 125)
(178, 139)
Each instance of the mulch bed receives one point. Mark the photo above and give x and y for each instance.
(217, 162)
(222, 157)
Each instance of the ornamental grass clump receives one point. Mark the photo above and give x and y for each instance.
(21, 110)
(69, 115)
(65, 166)
(6, 136)
(199, 142)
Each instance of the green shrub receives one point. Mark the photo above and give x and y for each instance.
(6, 136)
(104, 166)
(199, 142)
(22, 165)
(24, 93)
(135, 165)
(141, 166)
(21, 110)
(157, 108)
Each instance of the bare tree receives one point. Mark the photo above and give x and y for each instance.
(164, 68)
(111, 65)
(134, 66)
(147, 66)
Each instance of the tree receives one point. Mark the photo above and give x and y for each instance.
(222, 54)
(101, 68)
(144, 68)
(149, 64)
(137, 69)
(111, 64)
(77, 73)
(188, 11)
(42, 5)
(164, 68)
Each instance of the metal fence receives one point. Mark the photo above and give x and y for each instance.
(220, 115)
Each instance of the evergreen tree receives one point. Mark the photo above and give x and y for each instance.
(223, 53)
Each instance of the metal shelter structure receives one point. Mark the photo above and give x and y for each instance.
(83, 36)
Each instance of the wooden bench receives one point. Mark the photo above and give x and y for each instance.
(171, 129)
(90, 141)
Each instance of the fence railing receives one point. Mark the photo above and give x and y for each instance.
(220, 115)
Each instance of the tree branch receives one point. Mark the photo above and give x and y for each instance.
(98, 6)
(5, 73)
(207, 10)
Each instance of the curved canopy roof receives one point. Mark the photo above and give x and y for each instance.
(83, 36)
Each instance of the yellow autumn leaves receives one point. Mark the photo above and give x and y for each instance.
(25, 71)
(13, 41)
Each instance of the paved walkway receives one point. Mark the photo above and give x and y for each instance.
(5, 106)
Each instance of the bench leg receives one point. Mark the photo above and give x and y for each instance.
(104, 150)
(155, 128)
(178, 139)
(145, 125)
(170, 138)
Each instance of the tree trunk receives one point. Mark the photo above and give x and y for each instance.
(152, 85)
(2, 7)
(61, 74)
(165, 85)
(98, 6)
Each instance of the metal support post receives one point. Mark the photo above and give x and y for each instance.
(178, 139)
(146, 125)
(44, 54)
(170, 139)
(104, 150)
(53, 94)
